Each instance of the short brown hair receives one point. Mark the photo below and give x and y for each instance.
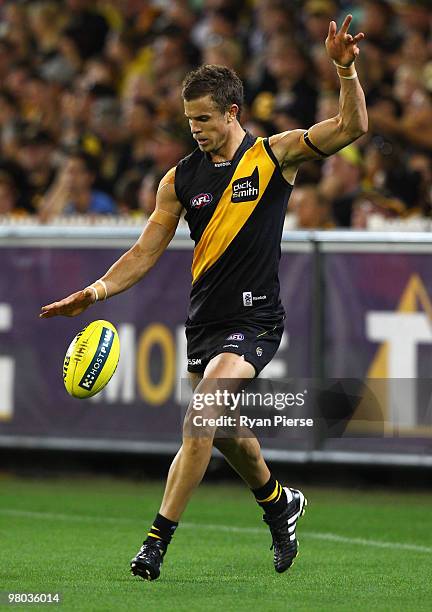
(221, 83)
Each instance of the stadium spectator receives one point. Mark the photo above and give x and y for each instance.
(387, 173)
(310, 208)
(16, 79)
(72, 190)
(87, 28)
(414, 15)
(287, 66)
(225, 52)
(421, 163)
(147, 192)
(39, 104)
(218, 19)
(170, 61)
(368, 208)
(272, 17)
(46, 20)
(316, 17)
(105, 125)
(9, 114)
(35, 156)
(341, 182)
(378, 20)
(169, 146)
(126, 193)
(129, 58)
(414, 126)
(181, 14)
(139, 117)
(9, 204)
(7, 57)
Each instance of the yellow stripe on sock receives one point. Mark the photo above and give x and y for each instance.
(153, 527)
(280, 493)
(272, 496)
(153, 535)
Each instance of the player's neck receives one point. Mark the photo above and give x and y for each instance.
(230, 146)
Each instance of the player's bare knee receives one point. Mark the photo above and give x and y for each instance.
(199, 424)
(196, 447)
(239, 446)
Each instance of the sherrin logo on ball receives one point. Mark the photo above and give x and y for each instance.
(91, 359)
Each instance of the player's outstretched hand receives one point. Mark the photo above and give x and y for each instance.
(341, 46)
(70, 306)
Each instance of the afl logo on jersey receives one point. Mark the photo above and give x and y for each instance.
(200, 200)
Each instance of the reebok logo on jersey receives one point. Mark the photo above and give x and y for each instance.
(246, 189)
(200, 200)
(249, 299)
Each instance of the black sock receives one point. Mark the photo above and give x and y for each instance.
(162, 529)
(271, 497)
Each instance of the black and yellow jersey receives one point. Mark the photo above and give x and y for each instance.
(235, 211)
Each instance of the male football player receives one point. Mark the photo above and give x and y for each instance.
(235, 190)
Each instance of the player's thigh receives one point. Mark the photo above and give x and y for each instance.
(229, 365)
(225, 374)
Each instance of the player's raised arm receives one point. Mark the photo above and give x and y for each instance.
(351, 122)
(136, 262)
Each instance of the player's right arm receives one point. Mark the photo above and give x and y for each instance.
(325, 138)
(136, 262)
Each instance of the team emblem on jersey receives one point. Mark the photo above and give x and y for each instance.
(246, 189)
(239, 337)
(200, 200)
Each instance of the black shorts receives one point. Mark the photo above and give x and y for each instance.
(256, 343)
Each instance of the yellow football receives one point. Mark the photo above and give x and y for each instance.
(91, 359)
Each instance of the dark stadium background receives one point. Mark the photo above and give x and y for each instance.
(91, 118)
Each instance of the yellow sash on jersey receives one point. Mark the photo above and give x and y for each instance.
(230, 217)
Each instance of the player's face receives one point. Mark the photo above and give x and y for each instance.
(208, 125)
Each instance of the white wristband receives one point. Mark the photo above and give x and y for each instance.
(94, 291)
(351, 76)
(340, 65)
(103, 283)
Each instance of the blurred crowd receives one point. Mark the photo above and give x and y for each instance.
(91, 115)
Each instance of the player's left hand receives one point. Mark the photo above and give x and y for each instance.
(341, 46)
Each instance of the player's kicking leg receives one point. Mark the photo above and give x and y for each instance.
(189, 465)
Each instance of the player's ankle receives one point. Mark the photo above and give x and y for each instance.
(162, 529)
(271, 497)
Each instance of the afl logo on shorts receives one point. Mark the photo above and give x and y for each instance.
(201, 200)
(237, 337)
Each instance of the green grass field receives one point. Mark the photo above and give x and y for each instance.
(358, 551)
